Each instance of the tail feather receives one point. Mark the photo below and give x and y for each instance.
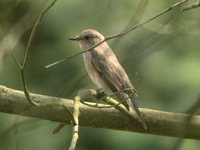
(130, 102)
(139, 113)
(133, 104)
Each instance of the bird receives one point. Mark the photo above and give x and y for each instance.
(106, 71)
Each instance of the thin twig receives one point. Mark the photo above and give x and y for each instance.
(73, 55)
(121, 34)
(148, 20)
(137, 15)
(96, 105)
(70, 114)
(110, 95)
(118, 92)
(58, 128)
(27, 53)
(15, 60)
(75, 135)
(119, 103)
(10, 51)
(31, 37)
(61, 125)
(195, 5)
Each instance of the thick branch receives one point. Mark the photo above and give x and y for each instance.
(51, 108)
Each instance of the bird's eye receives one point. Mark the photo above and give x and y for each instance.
(87, 37)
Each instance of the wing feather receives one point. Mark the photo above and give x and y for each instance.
(112, 73)
(108, 70)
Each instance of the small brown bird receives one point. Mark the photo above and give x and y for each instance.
(105, 70)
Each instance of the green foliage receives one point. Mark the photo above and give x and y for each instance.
(161, 58)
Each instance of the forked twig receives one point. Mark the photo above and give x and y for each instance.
(27, 54)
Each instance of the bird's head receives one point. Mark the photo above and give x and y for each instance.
(88, 38)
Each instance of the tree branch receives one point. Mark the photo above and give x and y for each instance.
(51, 108)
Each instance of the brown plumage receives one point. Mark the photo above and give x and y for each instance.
(105, 70)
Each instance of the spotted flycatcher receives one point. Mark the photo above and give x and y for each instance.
(105, 70)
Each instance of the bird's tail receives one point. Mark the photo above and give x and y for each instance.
(133, 104)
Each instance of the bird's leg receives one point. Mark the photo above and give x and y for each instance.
(101, 94)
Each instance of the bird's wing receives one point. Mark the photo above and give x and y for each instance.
(112, 73)
(116, 78)
(108, 70)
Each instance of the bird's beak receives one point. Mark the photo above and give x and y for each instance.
(77, 38)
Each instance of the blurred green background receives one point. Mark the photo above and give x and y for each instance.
(162, 59)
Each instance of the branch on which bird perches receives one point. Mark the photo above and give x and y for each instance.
(97, 94)
(51, 108)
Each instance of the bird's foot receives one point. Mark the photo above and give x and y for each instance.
(101, 94)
